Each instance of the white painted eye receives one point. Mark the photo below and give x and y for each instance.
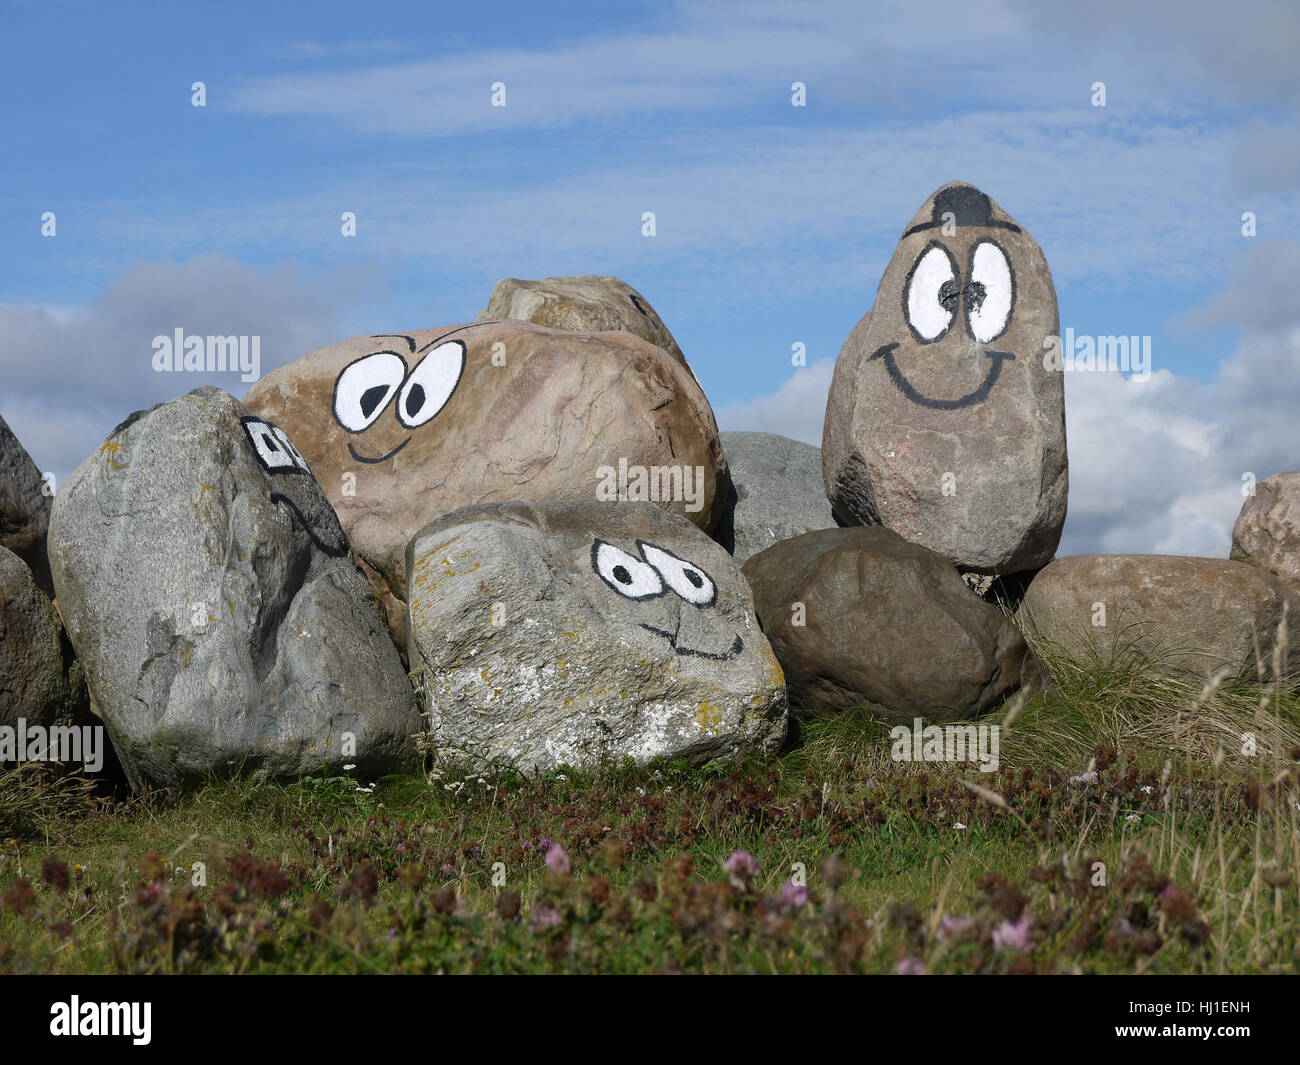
(627, 575)
(364, 388)
(684, 578)
(990, 293)
(930, 295)
(273, 449)
(431, 384)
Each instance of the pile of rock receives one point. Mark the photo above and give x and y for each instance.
(522, 538)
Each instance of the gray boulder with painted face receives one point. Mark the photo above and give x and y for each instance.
(585, 632)
(581, 303)
(943, 422)
(779, 493)
(40, 680)
(24, 507)
(214, 605)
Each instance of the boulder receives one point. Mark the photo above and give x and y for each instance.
(859, 617)
(779, 492)
(1177, 615)
(24, 507)
(209, 592)
(403, 429)
(1267, 531)
(944, 421)
(40, 680)
(582, 303)
(584, 632)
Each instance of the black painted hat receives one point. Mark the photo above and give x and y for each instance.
(967, 205)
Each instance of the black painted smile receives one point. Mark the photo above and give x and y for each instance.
(382, 458)
(336, 550)
(905, 386)
(671, 637)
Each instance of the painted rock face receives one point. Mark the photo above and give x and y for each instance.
(221, 623)
(943, 423)
(404, 428)
(579, 632)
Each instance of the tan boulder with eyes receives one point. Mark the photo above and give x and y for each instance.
(401, 429)
(943, 422)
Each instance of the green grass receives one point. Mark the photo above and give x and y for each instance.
(1182, 855)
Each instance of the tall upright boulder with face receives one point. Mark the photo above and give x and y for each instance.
(945, 422)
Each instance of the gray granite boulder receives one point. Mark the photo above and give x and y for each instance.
(944, 421)
(779, 492)
(24, 507)
(213, 602)
(40, 680)
(1267, 531)
(586, 632)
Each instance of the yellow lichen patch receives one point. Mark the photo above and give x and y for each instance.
(708, 717)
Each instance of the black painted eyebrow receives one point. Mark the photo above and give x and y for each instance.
(410, 341)
(458, 329)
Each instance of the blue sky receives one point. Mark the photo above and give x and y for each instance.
(774, 223)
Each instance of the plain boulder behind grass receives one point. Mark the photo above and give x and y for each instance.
(581, 303)
(40, 681)
(1175, 615)
(779, 492)
(859, 616)
(214, 605)
(24, 507)
(585, 632)
(1267, 532)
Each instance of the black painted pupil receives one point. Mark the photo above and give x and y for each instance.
(269, 440)
(694, 578)
(414, 399)
(621, 575)
(948, 293)
(975, 293)
(371, 398)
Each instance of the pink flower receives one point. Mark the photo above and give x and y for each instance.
(910, 967)
(793, 895)
(544, 916)
(741, 869)
(556, 860)
(1013, 935)
(950, 927)
(1089, 777)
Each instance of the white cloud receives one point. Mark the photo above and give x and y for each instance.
(796, 409)
(72, 374)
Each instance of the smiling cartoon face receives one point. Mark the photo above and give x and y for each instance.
(942, 422)
(655, 572)
(401, 428)
(367, 388)
(957, 323)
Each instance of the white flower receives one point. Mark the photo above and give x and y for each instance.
(352, 766)
(959, 826)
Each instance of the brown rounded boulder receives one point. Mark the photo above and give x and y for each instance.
(400, 429)
(860, 616)
(1176, 615)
